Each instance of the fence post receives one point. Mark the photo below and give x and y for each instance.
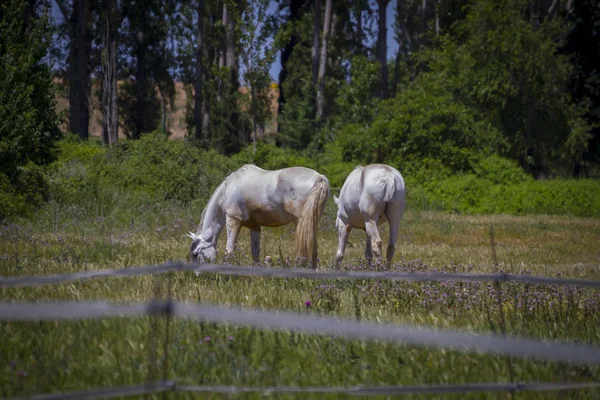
(152, 337)
(168, 311)
(498, 286)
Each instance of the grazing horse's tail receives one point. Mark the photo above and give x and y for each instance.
(390, 188)
(308, 223)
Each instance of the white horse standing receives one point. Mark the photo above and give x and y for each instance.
(370, 196)
(253, 197)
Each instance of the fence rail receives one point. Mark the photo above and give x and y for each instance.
(22, 281)
(486, 343)
(351, 391)
(351, 329)
(108, 393)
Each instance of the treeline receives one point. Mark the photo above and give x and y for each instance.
(471, 79)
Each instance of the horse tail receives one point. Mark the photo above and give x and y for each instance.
(390, 188)
(308, 223)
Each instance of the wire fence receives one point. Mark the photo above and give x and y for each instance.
(171, 386)
(291, 273)
(293, 322)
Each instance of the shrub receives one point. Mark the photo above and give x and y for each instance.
(470, 194)
(28, 121)
(500, 170)
(271, 157)
(152, 169)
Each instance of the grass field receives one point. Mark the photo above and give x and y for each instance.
(62, 356)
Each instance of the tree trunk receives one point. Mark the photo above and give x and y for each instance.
(437, 18)
(28, 14)
(332, 33)
(141, 86)
(359, 27)
(198, 114)
(110, 108)
(254, 125)
(323, 60)
(404, 43)
(382, 49)
(79, 74)
(315, 43)
(423, 22)
(83, 73)
(295, 7)
(231, 60)
(223, 14)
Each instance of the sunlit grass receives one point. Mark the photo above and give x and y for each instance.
(62, 356)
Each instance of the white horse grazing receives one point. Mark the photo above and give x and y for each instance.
(370, 196)
(253, 197)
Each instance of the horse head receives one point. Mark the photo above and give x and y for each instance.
(200, 249)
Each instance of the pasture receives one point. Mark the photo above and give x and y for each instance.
(63, 356)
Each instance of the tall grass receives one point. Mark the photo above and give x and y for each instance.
(112, 209)
(61, 356)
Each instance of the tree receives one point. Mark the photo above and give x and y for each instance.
(77, 17)
(323, 60)
(258, 56)
(315, 42)
(29, 127)
(382, 48)
(146, 35)
(583, 46)
(110, 18)
(509, 73)
(289, 29)
(199, 71)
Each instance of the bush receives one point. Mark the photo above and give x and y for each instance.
(421, 123)
(152, 169)
(500, 170)
(29, 124)
(470, 194)
(271, 157)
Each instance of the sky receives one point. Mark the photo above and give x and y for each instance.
(392, 45)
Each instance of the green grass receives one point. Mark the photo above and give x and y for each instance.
(63, 356)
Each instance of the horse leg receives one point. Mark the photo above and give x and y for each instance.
(393, 212)
(255, 244)
(368, 251)
(343, 234)
(233, 228)
(373, 235)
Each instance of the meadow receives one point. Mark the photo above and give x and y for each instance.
(63, 356)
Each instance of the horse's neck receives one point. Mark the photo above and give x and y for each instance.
(214, 219)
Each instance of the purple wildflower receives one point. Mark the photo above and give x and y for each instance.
(207, 339)
(307, 303)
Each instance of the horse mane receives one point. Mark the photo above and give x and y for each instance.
(218, 190)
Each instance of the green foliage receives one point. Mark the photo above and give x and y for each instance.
(356, 102)
(421, 123)
(28, 128)
(258, 55)
(297, 122)
(502, 68)
(500, 170)
(152, 169)
(227, 132)
(582, 44)
(499, 186)
(271, 157)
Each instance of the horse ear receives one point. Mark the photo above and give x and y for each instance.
(192, 236)
(336, 200)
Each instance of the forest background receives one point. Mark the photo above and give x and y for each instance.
(484, 106)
